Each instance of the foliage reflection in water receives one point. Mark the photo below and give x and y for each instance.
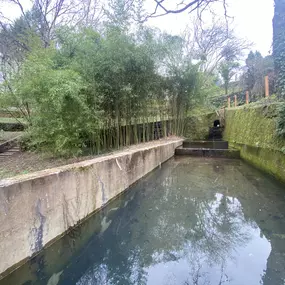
(192, 221)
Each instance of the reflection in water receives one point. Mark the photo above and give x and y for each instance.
(54, 278)
(193, 221)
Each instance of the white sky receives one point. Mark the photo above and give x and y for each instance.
(252, 20)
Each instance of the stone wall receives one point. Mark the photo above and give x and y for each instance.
(252, 130)
(37, 208)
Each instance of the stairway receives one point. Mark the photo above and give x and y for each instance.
(9, 152)
(216, 133)
(210, 148)
(215, 146)
(9, 148)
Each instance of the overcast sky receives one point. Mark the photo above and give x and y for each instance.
(252, 19)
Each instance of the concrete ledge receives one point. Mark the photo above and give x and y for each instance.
(206, 144)
(37, 208)
(207, 152)
(12, 127)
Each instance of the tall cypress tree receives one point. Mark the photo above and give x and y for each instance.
(279, 46)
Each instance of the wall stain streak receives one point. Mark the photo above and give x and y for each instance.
(37, 232)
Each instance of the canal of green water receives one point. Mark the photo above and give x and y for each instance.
(192, 221)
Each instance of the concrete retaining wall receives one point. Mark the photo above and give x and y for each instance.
(37, 208)
(252, 130)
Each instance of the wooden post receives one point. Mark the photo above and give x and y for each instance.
(246, 97)
(229, 102)
(235, 100)
(266, 86)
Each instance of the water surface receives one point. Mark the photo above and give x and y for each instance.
(192, 221)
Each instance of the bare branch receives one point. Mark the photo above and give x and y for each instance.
(46, 15)
(214, 42)
(193, 5)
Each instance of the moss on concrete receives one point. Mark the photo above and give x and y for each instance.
(197, 127)
(253, 131)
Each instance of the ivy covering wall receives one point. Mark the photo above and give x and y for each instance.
(253, 131)
(279, 46)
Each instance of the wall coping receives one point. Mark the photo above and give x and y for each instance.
(69, 167)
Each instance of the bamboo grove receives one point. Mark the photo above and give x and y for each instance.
(91, 88)
(86, 79)
(88, 91)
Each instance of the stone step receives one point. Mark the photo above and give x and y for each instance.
(9, 152)
(10, 146)
(13, 149)
(206, 144)
(216, 133)
(208, 152)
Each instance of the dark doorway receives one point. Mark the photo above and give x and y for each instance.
(217, 124)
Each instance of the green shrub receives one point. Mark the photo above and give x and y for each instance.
(58, 102)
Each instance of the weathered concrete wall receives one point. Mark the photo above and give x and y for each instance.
(37, 208)
(252, 130)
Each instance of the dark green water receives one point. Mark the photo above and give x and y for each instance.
(192, 221)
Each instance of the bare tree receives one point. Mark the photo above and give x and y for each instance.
(40, 21)
(213, 43)
(38, 26)
(164, 7)
(46, 15)
(92, 12)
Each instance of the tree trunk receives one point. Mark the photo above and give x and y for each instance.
(226, 88)
(117, 124)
